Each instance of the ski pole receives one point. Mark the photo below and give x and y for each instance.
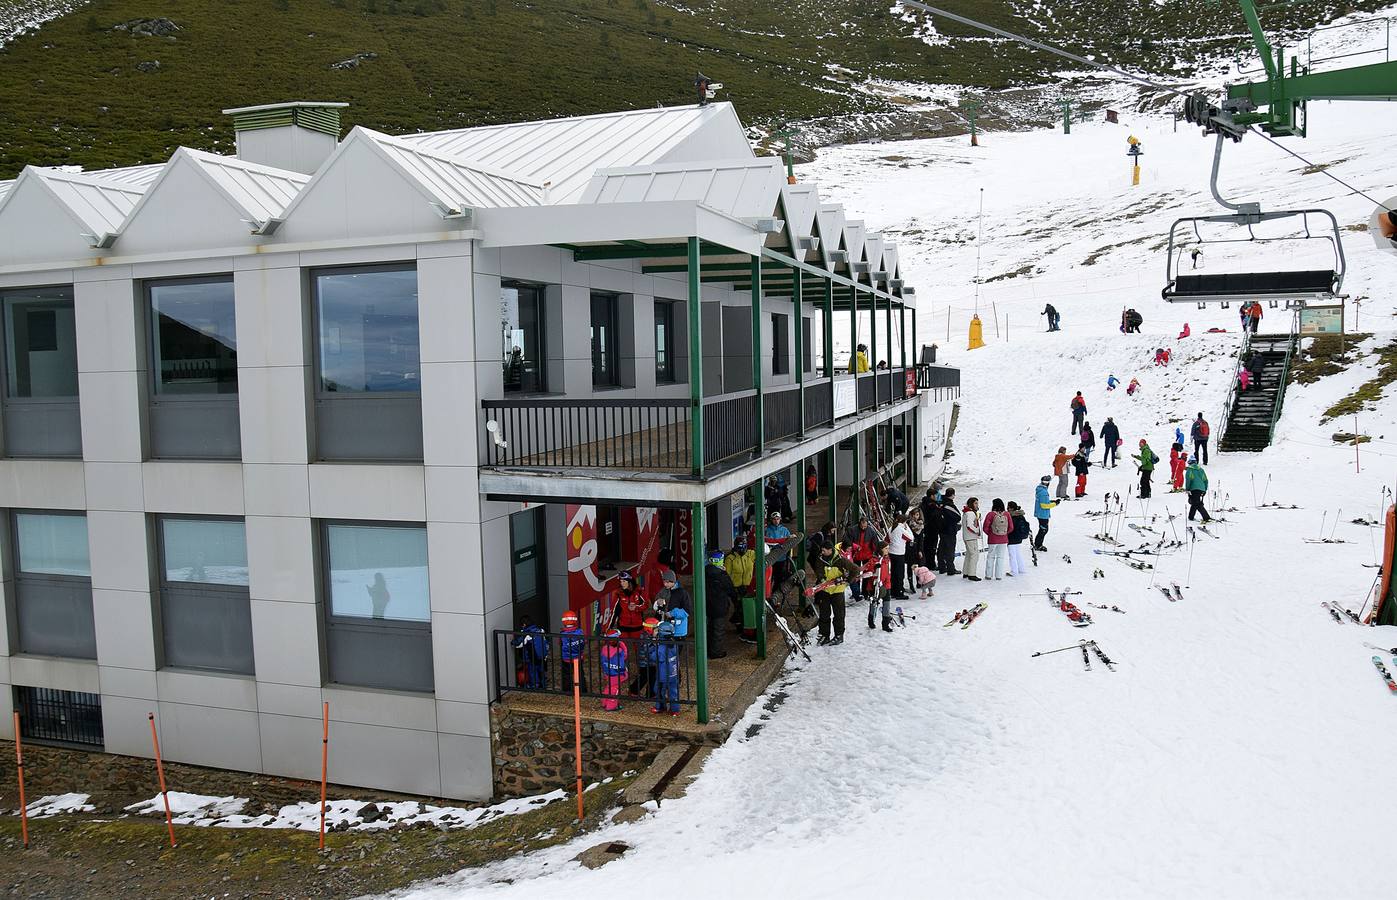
(1059, 650)
(1253, 491)
(1335, 527)
(1267, 489)
(1192, 539)
(1322, 519)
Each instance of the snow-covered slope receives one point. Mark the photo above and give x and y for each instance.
(19, 17)
(1235, 751)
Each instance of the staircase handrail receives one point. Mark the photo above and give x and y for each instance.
(1234, 390)
(1290, 348)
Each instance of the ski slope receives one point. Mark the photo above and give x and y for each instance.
(1238, 750)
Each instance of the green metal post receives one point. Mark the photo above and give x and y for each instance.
(695, 360)
(872, 341)
(854, 332)
(829, 343)
(832, 483)
(1258, 36)
(855, 501)
(1066, 116)
(699, 613)
(759, 570)
(757, 356)
(902, 330)
(800, 516)
(891, 392)
(800, 350)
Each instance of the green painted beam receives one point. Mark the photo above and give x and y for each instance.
(698, 552)
(759, 567)
(1373, 82)
(759, 442)
(695, 358)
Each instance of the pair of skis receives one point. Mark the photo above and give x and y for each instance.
(967, 616)
(1074, 615)
(1088, 648)
(1173, 593)
(1112, 608)
(797, 644)
(1386, 675)
(1340, 613)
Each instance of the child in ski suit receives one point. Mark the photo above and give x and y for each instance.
(663, 655)
(1111, 382)
(532, 644)
(613, 670)
(573, 644)
(997, 527)
(883, 578)
(971, 531)
(1178, 459)
(1042, 510)
(1019, 531)
(1081, 463)
(1131, 388)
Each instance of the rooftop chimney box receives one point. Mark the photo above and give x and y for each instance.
(297, 136)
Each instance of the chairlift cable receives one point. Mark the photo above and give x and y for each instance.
(1049, 48)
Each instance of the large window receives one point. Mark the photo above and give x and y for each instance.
(194, 339)
(521, 337)
(205, 614)
(194, 369)
(664, 341)
(780, 344)
(377, 605)
(604, 373)
(40, 396)
(53, 586)
(367, 334)
(368, 400)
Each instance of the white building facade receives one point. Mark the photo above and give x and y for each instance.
(245, 468)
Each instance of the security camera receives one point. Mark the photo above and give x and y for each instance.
(494, 428)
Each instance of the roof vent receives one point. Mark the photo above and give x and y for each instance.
(296, 136)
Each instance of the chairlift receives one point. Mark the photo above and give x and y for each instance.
(1293, 287)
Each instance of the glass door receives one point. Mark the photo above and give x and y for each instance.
(528, 563)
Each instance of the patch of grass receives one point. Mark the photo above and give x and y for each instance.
(1324, 355)
(1025, 269)
(1370, 391)
(84, 856)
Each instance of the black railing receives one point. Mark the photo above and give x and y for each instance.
(518, 667)
(782, 413)
(651, 435)
(929, 377)
(867, 384)
(819, 404)
(729, 427)
(59, 717)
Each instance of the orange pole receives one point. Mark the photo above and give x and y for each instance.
(577, 732)
(19, 764)
(324, 764)
(160, 770)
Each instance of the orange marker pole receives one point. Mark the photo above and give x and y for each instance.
(577, 731)
(324, 765)
(160, 770)
(19, 765)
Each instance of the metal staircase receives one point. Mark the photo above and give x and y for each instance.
(1252, 414)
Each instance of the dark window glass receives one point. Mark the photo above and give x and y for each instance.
(50, 716)
(807, 349)
(53, 591)
(604, 340)
(367, 330)
(41, 349)
(194, 344)
(52, 544)
(521, 337)
(664, 341)
(780, 344)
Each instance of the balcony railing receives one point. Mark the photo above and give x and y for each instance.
(522, 665)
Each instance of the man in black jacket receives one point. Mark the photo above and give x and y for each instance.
(1111, 437)
(931, 529)
(719, 594)
(950, 528)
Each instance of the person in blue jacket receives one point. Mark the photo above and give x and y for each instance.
(1112, 382)
(532, 644)
(1042, 510)
(573, 644)
(663, 654)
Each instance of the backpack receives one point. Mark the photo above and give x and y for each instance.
(999, 524)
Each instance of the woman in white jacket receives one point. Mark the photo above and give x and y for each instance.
(970, 533)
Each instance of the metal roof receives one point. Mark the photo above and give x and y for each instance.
(743, 189)
(874, 247)
(565, 153)
(801, 202)
(830, 218)
(854, 240)
(457, 182)
(101, 206)
(5, 187)
(135, 176)
(261, 192)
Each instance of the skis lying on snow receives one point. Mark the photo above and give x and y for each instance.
(1168, 594)
(1392, 650)
(1107, 539)
(1333, 612)
(1087, 647)
(1140, 528)
(966, 616)
(1386, 675)
(1340, 613)
(1074, 615)
(1097, 573)
(1178, 591)
(1274, 505)
(1140, 552)
(974, 614)
(1134, 563)
(1105, 660)
(1325, 541)
(1104, 606)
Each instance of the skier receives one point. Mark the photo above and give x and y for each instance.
(1159, 358)
(676, 603)
(1135, 321)
(1197, 255)
(1111, 437)
(613, 670)
(970, 532)
(777, 533)
(663, 655)
(1256, 363)
(1081, 464)
(628, 609)
(1177, 460)
(1255, 313)
(1245, 315)
(997, 527)
(895, 500)
(1111, 382)
(1178, 435)
(899, 538)
(1019, 530)
(859, 544)
(882, 586)
(1185, 333)
(931, 529)
(573, 644)
(1088, 438)
(1051, 312)
(830, 566)
(1196, 481)
(532, 644)
(718, 594)
(1060, 462)
(1131, 388)
(1243, 379)
(950, 527)
(741, 566)
(1145, 461)
(1079, 412)
(1199, 432)
(1042, 510)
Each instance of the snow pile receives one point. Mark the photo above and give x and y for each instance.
(58, 805)
(227, 812)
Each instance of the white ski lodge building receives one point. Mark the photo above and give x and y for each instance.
(322, 421)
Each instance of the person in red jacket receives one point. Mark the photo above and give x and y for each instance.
(613, 670)
(882, 571)
(628, 608)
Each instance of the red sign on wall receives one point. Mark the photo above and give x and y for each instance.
(585, 585)
(683, 543)
(911, 382)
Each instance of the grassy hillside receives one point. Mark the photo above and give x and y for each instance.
(75, 90)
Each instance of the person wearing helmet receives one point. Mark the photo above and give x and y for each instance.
(531, 645)
(718, 596)
(628, 606)
(613, 670)
(662, 653)
(1144, 461)
(741, 564)
(645, 672)
(776, 533)
(834, 571)
(573, 643)
(1042, 510)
